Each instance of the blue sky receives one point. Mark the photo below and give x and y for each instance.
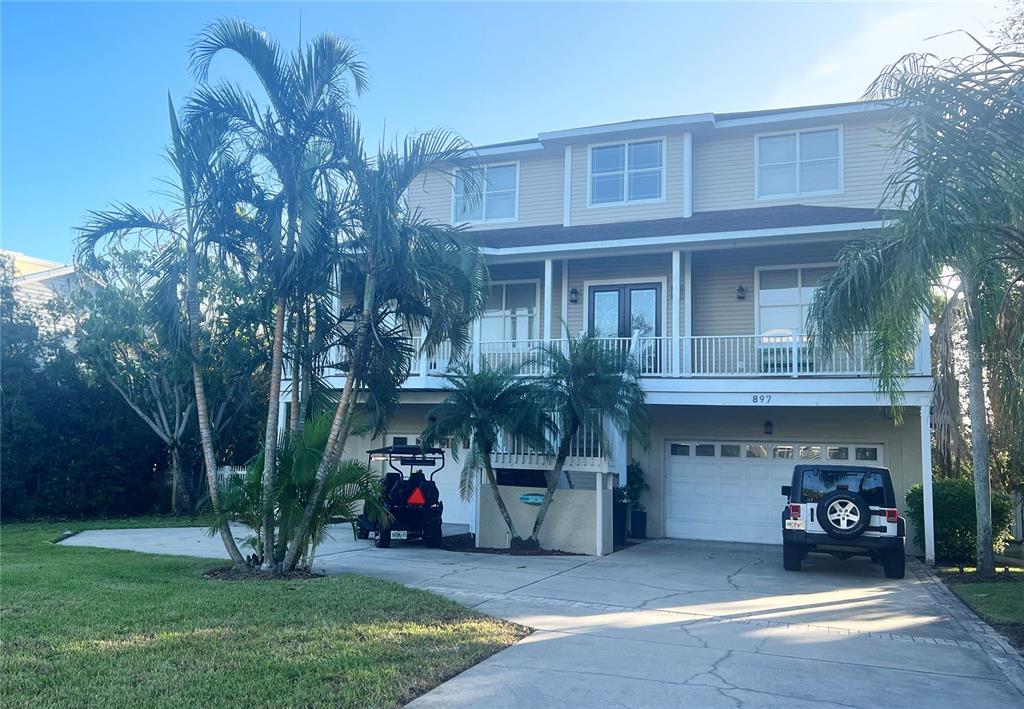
(84, 85)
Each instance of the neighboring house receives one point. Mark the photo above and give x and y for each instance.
(38, 281)
(697, 242)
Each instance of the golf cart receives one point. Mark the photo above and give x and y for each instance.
(411, 499)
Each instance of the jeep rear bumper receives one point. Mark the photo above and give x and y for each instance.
(814, 539)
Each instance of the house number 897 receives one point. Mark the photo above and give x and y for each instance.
(762, 398)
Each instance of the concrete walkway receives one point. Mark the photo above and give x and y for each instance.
(674, 623)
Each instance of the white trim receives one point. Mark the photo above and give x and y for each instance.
(675, 312)
(926, 484)
(547, 299)
(688, 304)
(46, 275)
(525, 147)
(626, 201)
(687, 174)
(799, 193)
(624, 126)
(624, 282)
(483, 198)
(673, 239)
(565, 299)
(796, 114)
(837, 391)
(567, 188)
(798, 267)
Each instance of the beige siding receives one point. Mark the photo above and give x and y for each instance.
(716, 274)
(672, 206)
(723, 167)
(790, 424)
(541, 179)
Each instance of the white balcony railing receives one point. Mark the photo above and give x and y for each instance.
(773, 356)
(701, 356)
(585, 452)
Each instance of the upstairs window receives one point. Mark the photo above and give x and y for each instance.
(486, 194)
(627, 172)
(800, 163)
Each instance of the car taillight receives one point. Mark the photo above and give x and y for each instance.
(892, 515)
(794, 511)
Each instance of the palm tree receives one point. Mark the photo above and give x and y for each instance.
(304, 90)
(483, 406)
(588, 386)
(959, 192)
(210, 183)
(399, 272)
(351, 486)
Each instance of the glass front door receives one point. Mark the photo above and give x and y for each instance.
(626, 310)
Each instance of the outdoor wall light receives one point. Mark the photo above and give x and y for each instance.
(741, 293)
(769, 429)
(574, 295)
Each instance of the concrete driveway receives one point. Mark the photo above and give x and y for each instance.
(676, 623)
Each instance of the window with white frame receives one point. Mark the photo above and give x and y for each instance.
(511, 312)
(486, 194)
(627, 172)
(799, 163)
(784, 297)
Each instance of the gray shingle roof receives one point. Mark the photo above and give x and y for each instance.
(729, 220)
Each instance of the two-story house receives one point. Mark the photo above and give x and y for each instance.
(696, 241)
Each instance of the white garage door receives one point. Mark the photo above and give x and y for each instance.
(730, 490)
(456, 510)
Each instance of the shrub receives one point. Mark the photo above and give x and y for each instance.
(955, 519)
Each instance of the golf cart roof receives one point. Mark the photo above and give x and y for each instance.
(405, 450)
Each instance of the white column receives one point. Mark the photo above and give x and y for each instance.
(923, 359)
(599, 514)
(567, 188)
(547, 299)
(474, 351)
(926, 484)
(675, 312)
(688, 315)
(282, 418)
(687, 175)
(563, 327)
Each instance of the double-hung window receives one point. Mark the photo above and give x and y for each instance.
(486, 194)
(627, 172)
(808, 162)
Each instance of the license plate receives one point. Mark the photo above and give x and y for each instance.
(796, 524)
(399, 534)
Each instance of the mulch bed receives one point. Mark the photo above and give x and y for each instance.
(465, 543)
(955, 577)
(230, 573)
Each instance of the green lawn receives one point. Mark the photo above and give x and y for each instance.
(95, 627)
(998, 602)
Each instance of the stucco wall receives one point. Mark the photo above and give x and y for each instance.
(570, 524)
(790, 424)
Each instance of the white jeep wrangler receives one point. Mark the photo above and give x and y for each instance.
(843, 510)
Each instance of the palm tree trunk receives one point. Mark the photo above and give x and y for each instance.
(493, 481)
(340, 427)
(270, 436)
(180, 488)
(556, 474)
(979, 437)
(203, 412)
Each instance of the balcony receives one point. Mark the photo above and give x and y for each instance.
(729, 356)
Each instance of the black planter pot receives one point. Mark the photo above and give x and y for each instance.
(619, 513)
(638, 524)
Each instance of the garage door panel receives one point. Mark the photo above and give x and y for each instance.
(729, 499)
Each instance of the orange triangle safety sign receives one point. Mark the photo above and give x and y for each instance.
(416, 498)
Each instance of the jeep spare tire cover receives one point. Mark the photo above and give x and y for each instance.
(843, 514)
